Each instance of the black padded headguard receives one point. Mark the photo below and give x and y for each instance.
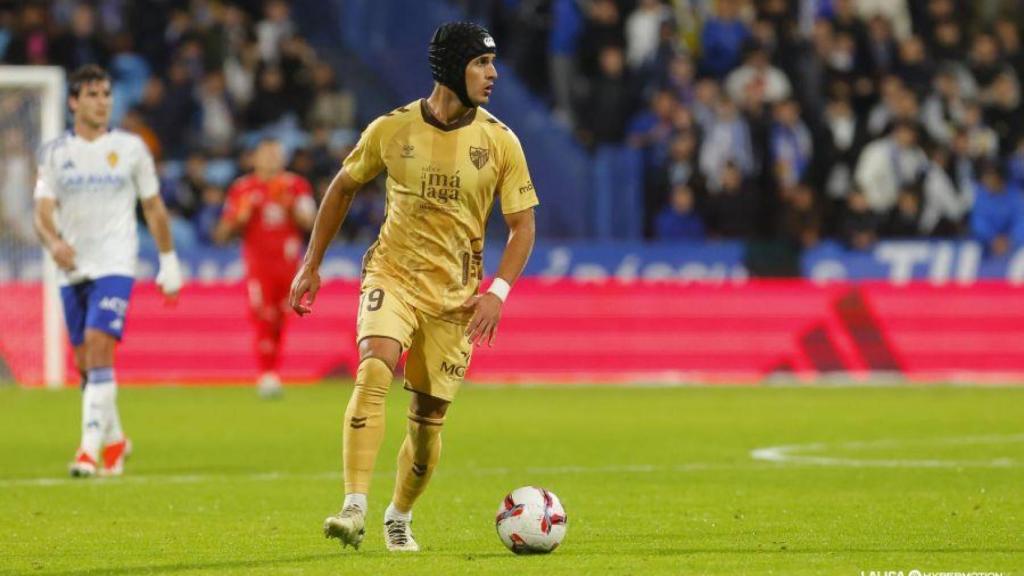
(453, 46)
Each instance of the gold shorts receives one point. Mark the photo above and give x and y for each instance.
(439, 351)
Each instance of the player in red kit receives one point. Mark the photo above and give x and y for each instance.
(271, 209)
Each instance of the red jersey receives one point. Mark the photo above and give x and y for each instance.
(270, 240)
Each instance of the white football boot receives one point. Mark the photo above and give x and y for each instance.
(347, 526)
(398, 536)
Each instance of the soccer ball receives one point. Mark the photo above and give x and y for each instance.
(531, 520)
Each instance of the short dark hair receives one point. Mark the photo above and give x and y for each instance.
(85, 75)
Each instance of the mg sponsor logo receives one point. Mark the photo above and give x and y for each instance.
(453, 369)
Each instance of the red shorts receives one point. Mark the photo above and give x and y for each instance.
(268, 291)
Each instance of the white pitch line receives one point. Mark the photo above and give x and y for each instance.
(279, 475)
(796, 453)
(787, 454)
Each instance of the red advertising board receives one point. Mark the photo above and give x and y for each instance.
(591, 332)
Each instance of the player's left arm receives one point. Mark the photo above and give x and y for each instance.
(518, 197)
(159, 223)
(522, 232)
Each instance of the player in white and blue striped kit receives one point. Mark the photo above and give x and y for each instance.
(89, 181)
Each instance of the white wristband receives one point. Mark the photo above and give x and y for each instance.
(500, 288)
(168, 258)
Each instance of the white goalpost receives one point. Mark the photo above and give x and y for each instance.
(32, 99)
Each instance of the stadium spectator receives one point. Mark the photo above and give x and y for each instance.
(802, 219)
(838, 145)
(792, 147)
(985, 64)
(1003, 112)
(608, 105)
(566, 28)
(944, 202)
(945, 108)
(31, 44)
(731, 204)
(884, 47)
(174, 114)
(209, 214)
(859, 226)
(889, 164)
(331, 107)
(895, 12)
(757, 71)
(217, 115)
(602, 28)
(983, 141)
(997, 217)
(728, 141)
(904, 220)
(269, 104)
(680, 220)
(914, 67)
(722, 39)
(643, 33)
(275, 27)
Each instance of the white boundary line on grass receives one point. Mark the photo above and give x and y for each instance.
(273, 476)
(797, 453)
(792, 454)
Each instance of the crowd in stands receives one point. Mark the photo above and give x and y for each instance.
(201, 81)
(793, 119)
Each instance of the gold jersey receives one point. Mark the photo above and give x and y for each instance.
(441, 185)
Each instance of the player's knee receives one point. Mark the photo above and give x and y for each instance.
(373, 378)
(98, 349)
(428, 408)
(383, 349)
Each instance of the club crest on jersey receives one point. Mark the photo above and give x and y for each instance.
(407, 151)
(479, 156)
(112, 159)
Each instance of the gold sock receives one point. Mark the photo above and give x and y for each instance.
(364, 423)
(417, 459)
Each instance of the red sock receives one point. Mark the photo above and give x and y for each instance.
(268, 339)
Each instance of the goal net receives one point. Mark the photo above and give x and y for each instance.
(31, 333)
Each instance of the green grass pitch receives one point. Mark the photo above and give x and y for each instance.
(655, 481)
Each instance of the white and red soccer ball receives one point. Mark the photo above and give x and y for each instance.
(531, 520)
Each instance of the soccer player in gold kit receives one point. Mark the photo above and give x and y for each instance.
(447, 161)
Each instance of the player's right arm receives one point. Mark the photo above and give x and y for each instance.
(237, 212)
(363, 164)
(332, 213)
(43, 217)
(46, 228)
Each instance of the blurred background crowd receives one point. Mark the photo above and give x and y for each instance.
(797, 120)
(201, 82)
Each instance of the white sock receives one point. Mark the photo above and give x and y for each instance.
(113, 433)
(393, 514)
(355, 499)
(99, 394)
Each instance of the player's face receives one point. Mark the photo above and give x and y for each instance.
(269, 158)
(480, 77)
(93, 104)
